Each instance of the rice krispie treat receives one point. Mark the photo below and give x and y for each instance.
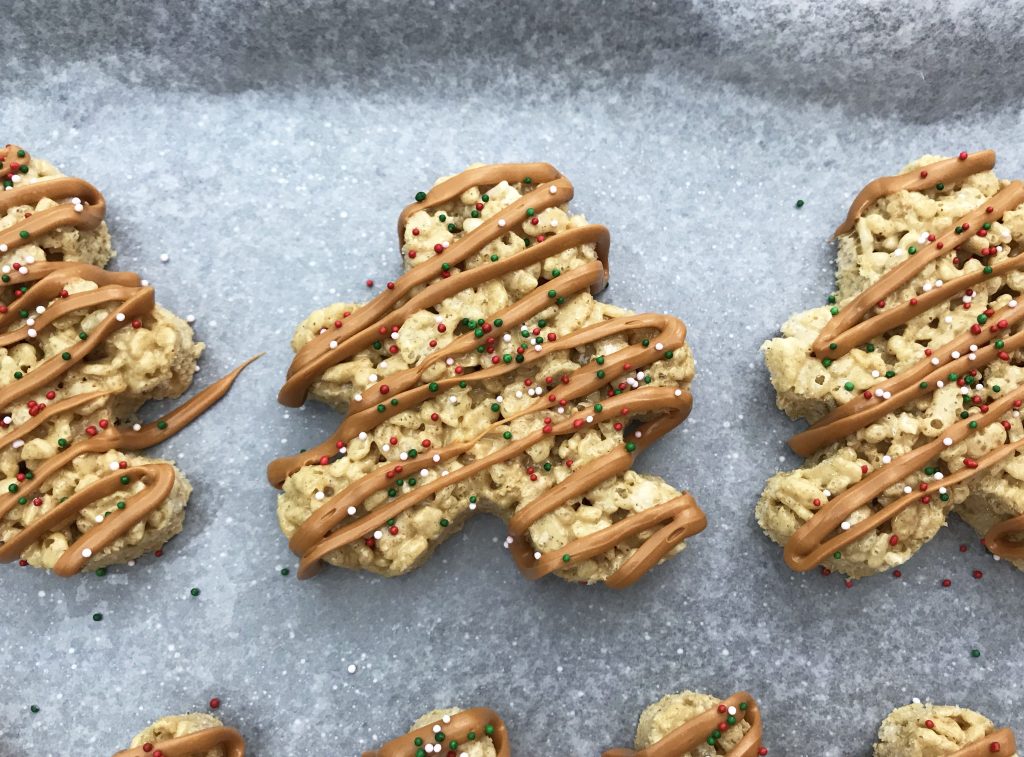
(192, 735)
(912, 376)
(488, 377)
(81, 349)
(689, 724)
(928, 730)
(478, 732)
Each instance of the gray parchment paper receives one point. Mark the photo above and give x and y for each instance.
(267, 148)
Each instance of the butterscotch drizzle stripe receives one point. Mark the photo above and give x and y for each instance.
(999, 742)
(701, 731)
(829, 530)
(942, 172)
(461, 729)
(157, 479)
(85, 209)
(222, 737)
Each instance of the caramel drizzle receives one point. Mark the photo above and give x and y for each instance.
(157, 478)
(819, 536)
(460, 726)
(951, 169)
(331, 526)
(987, 745)
(39, 223)
(228, 739)
(695, 732)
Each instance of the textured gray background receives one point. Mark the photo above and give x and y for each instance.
(267, 149)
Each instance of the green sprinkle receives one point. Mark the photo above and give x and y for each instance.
(97, 616)
(630, 447)
(552, 293)
(381, 408)
(507, 435)
(162, 425)
(121, 505)
(101, 572)
(125, 479)
(195, 592)
(834, 310)
(23, 234)
(432, 386)
(837, 555)
(975, 653)
(827, 362)
(940, 186)
(799, 203)
(66, 355)
(530, 212)
(849, 386)
(421, 196)
(912, 250)
(34, 709)
(566, 558)
(285, 571)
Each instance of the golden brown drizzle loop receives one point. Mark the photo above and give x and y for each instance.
(481, 722)
(228, 739)
(696, 732)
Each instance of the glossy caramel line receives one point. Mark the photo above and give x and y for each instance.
(158, 479)
(950, 169)
(228, 739)
(1000, 741)
(40, 223)
(696, 732)
(477, 721)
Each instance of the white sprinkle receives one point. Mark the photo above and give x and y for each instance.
(437, 729)
(678, 392)
(552, 190)
(351, 669)
(935, 361)
(940, 384)
(358, 397)
(501, 223)
(403, 456)
(87, 553)
(114, 465)
(362, 436)
(453, 399)
(18, 443)
(907, 490)
(948, 441)
(436, 458)
(119, 317)
(954, 355)
(372, 378)
(536, 555)
(164, 257)
(190, 318)
(136, 427)
(333, 345)
(378, 534)
(826, 494)
(423, 472)
(845, 525)
(886, 459)
(659, 346)
(938, 475)
(446, 719)
(319, 495)
(32, 333)
(351, 510)
(386, 448)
